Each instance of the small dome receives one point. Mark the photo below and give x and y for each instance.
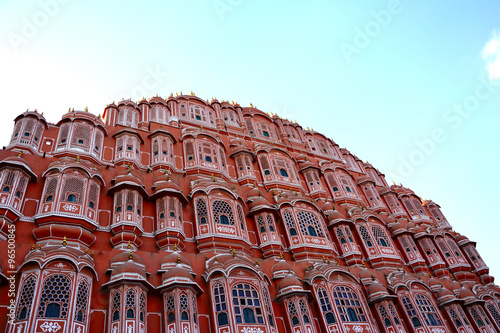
(261, 201)
(375, 288)
(167, 185)
(306, 164)
(418, 230)
(465, 293)
(289, 281)
(125, 256)
(130, 267)
(390, 219)
(455, 285)
(174, 258)
(335, 215)
(461, 238)
(432, 282)
(396, 227)
(410, 225)
(328, 206)
(443, 293)
(254, 193)
(126, 176)
(365, 274)
(282, 265)
(301, 158)
(177, 273)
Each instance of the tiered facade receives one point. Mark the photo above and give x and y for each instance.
(184, 215)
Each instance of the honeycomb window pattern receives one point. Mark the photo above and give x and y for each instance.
(81, 302)
(55, 297)
(116, 304)
(26, 298)
(309, 224)
(222, 208)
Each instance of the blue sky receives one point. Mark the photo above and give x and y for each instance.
(412, 87)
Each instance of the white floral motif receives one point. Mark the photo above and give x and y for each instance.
(357, 329)
(71, 208)
(19, 328)
(60, 265)
(438, 330)
(251, 330)
(225, 229)
(50, 327)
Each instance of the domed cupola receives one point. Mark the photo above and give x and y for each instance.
(28, 132)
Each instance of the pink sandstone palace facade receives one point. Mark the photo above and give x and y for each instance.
(184, 215)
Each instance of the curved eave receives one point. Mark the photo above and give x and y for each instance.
(180, 284)
(291, 293)
(99, 124)
(167, 191)
(129, 131)
(19, 165)
(129, 185)
(162, 132)
(127, 280)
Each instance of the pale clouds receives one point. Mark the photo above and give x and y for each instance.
(491, 54)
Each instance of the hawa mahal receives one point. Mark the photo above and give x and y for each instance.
(184, 215)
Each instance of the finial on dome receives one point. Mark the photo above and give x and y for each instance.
(32, 247)
(175, 247)
(128, 245)
(39, 246)
(281, 255)
(130, 255)
(251, 105)
(86, 251)
(64, 241)
(92, 255)
(20, 154)
(128, 169)
(192, 93)
(78, 158)
(179, 259)
(86, 109)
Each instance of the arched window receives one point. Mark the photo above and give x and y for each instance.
(309, 224)
(220, 305)
(292, 312)
(326, 306)
(283, 173)
(81, 302)
(184, 307)
(348, 304)
(170, 308)
(130, 303)
(410, 311)
(246, 304)
(116, 305)
(142, 306)
(290, 222)
(366, 236)
(385, 316)
(304, 311)
(427, 310)
(223, 212)
(394, 314)
(26, 298)
(55, 297)
(201, 210)
(380, 236)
